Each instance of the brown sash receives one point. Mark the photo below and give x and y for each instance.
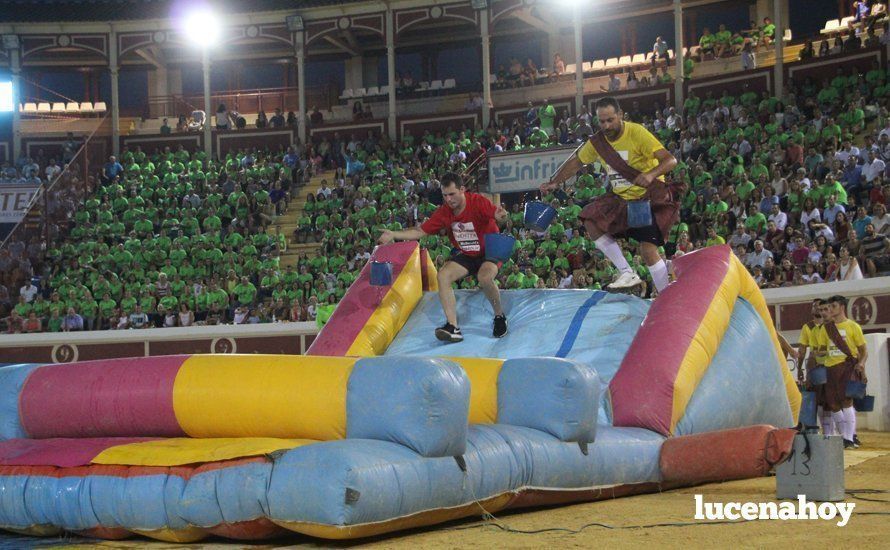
(838, 340)
(612, 158)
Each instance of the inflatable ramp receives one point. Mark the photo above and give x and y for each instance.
(382, 427)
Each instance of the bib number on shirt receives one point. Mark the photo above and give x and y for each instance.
(833, 350)
(466, 237)
(617, 180)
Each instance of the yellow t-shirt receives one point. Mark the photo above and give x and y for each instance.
(808, 338)
(852, 334)
(637, 146)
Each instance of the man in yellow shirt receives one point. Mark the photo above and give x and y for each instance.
(843, 351)
(809, 340)
(636, 162)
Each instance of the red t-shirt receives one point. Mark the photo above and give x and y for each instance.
(467, 231)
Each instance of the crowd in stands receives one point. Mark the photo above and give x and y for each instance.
(798, 185)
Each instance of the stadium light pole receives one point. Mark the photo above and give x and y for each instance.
(11, 44)
(202, 28)
(208, 133)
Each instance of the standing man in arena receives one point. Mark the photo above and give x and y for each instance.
(467, 217)
(635, 161)
(807, 339)
(844, 354)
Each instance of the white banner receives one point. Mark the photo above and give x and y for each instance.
(525, 171)
(15, 200)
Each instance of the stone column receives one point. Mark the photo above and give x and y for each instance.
(486, 68)
(678, 56)
(779, 67)
(114, 69)
(16, 68)
(579, 62)
(391, 71)
(301, 87)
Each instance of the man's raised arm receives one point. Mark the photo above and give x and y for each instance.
(412, 234)
(567, 169)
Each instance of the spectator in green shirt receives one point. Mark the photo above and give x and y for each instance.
(245, 292)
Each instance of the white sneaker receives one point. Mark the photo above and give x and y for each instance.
(628, 279)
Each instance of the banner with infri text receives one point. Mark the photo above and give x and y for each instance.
(526, 170)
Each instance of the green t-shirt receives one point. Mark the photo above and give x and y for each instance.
(245, 293)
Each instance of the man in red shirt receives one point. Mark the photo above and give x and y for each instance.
(793, 155)
(467, 217)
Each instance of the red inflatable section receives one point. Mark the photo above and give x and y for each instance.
(724, 455)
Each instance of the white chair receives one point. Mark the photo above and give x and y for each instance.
(384, 90)
(639, 59)
(449, 84)
(694, 50)
(598, 65)
(423, 85)
(845, 22)
(359, 92)
(58, 108)
(372, 91)
(72, 107)
(571, 68)
(435, 85)
(625, 61)
(29, 108)
(685, 50)
(44, 108)
(612, 63)
(587, 66)
(787, 36)
(100, 107)
(671, 54)
(86, 107)
(831, 26)
(347, 94)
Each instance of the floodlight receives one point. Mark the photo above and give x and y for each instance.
(294, 23)
(7, 101)
(201, 26)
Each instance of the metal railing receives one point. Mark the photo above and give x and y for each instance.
(244, 101)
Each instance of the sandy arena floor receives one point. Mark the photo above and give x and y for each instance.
(635, 521)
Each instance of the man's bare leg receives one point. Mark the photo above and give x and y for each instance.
(446, 276)
(486, 276)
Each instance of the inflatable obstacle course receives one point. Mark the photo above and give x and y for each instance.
(381, 427)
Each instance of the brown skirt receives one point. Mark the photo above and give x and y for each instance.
(832, 396)
(608, 212)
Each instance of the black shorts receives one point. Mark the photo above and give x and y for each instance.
(471, 263)
(648, 234)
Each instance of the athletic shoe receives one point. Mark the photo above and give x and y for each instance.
(856, 441)
(500, 326)
(849, 444)
(449, 333)
(628, 279)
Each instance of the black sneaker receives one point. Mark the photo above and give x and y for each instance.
(449, 333)
(849, 444)
(856, 441)
(500, 326)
